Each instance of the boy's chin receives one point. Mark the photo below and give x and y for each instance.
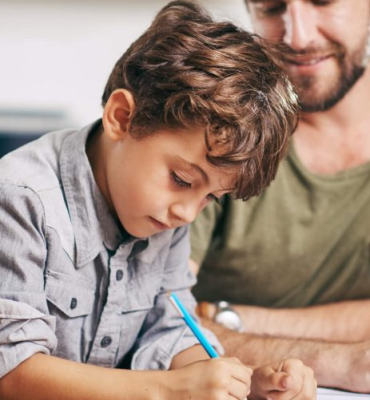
(137, 233)
(140, 232)
(144, 228)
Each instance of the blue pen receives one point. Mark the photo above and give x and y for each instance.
(192, 325)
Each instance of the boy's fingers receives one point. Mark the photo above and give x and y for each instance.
(240, 371)
(286, 381)
(309, 389)
(297, 371)
(243, 376)
(294, 368)
(305, 383)
(306, 391)
(279, 381)
(238, 390)
(284, 395)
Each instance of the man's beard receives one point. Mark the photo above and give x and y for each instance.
(350, 70)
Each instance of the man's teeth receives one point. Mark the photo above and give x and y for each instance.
(307, 62)
(310, 62)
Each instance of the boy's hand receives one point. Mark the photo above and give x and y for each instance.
(284, 380)
(216, 379)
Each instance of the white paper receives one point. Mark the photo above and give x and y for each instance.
(332, 394)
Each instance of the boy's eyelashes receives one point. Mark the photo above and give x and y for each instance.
(180, 182)
(212, 197)
(183, 184)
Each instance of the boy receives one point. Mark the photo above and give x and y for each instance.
(92, 221)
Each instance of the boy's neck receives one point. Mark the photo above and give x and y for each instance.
(96, 150)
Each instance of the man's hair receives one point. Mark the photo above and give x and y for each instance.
(189, 71)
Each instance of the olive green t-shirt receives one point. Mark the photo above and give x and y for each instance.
(304, 241)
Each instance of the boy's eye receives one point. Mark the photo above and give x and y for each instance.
(212, 197)
(180, 182)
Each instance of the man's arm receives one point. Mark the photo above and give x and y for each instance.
(336, 322)
(339, 365)
(345, 321)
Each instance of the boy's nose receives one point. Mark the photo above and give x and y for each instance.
(184, 211)
(300, 25)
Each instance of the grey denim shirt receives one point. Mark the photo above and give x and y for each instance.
(72, 284)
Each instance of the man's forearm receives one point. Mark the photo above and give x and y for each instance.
(336, 322)
(343, 366)
(345, 321)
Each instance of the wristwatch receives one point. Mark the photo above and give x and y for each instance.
(227, 316)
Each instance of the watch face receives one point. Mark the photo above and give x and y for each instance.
(230, 319)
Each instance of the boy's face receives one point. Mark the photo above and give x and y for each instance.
(162, 181)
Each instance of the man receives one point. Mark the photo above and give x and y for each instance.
(298, 257)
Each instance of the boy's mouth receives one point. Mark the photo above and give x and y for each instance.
(159, 224)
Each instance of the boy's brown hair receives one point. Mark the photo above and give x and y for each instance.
(189, 71)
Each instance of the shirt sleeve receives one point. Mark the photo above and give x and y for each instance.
(165, 333)
(202, 230)
(26, 327)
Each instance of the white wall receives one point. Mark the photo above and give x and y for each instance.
(57, 54)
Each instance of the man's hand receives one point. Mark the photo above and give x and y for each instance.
(284, 380)
(355, 375)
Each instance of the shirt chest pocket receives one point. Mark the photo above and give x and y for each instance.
(139, 299)
(137, 310)
(69, 300)
(142, 290)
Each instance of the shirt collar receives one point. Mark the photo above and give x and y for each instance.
(93, 224)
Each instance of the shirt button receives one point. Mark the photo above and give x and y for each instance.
(106, 341)
(73, 303)
(119, 275)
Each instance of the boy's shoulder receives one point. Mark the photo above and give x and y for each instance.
(35, 165)
(34, 177)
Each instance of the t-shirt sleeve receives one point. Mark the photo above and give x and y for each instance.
(202, 230)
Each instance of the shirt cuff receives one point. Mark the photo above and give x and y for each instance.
(159, 354)
(24, 331)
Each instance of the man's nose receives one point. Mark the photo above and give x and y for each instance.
(300, 25)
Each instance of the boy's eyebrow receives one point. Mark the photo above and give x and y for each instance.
(195, 167)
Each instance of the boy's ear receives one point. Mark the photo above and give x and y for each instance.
(118, 113)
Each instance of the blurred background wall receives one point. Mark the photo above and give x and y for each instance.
(56, 55)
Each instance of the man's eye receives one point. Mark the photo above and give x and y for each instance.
(273, 10)
(322, 2)
(180, 182)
